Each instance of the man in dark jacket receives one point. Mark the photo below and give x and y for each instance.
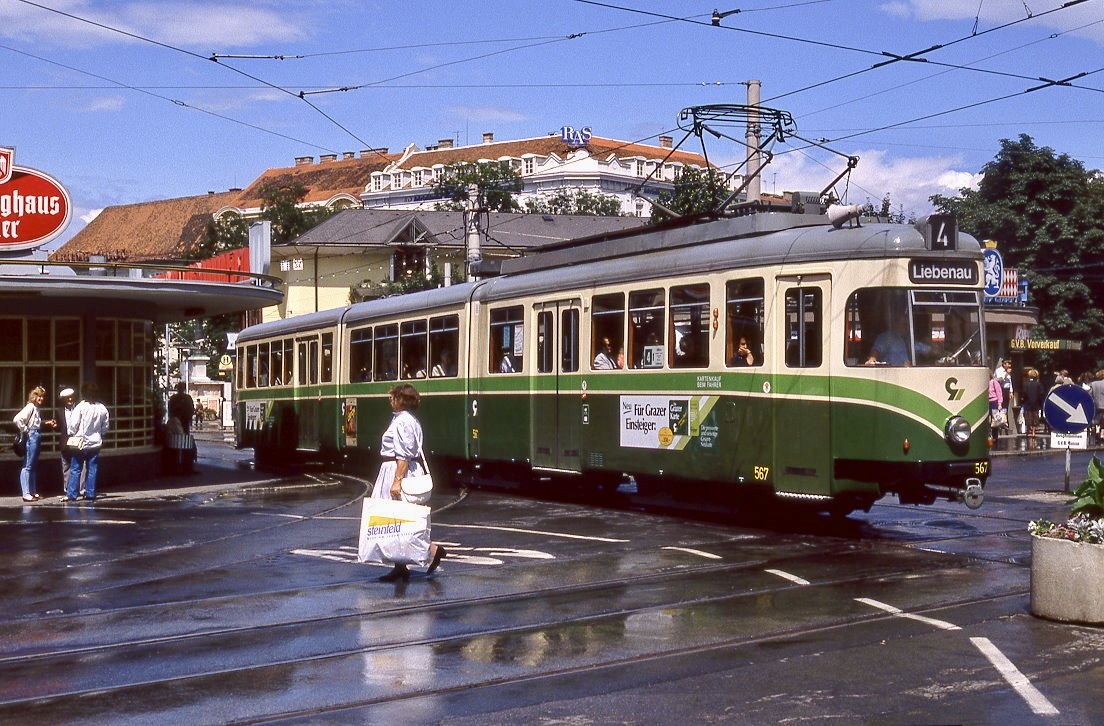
(182, 407)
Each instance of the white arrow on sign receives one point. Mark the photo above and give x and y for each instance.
(1076, 413)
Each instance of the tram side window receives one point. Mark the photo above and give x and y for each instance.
(412, 349)
(251, 367)
(545, 343)
(607, 328)
(282, 362)
(690, 326)
(569, 340)
(307, 357)
(804, 325)
(507, 347)
(444, 342)
(327, 357)
(262, 364)
(360, 355)
(387, 352)
(744, 323)
(647, 327)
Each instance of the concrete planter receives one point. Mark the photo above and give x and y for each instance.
(1067, 580)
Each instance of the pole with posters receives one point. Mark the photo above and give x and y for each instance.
(1068, 409)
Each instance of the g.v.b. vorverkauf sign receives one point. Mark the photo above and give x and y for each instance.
(34, 207)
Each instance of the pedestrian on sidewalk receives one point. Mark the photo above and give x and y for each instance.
(182, 407)
(29, 422)
(87, 428)
(68, 402)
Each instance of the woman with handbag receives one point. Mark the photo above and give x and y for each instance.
(87, 426)
(401, 451)
(29, 422)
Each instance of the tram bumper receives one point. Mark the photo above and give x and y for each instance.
(921, 482)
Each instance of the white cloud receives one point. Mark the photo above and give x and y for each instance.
(487, 113)
(1085, 18)
(104, 103)
(207, 25)
(909, 181)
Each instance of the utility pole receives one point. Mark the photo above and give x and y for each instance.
(754, 187)
(471, 229)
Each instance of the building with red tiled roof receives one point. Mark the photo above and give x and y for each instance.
(165, 230)
(145, 232)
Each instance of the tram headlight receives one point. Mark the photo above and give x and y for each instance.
(958, 431)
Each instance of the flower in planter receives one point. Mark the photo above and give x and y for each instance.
(1086, 522)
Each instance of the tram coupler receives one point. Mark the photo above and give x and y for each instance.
(974, 493)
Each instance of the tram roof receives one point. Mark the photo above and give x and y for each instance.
(782, 236)
(769, 240)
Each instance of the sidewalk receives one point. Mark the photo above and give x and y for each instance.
(1022, 444)
(219, 466)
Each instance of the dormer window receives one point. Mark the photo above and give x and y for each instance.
(528, 166)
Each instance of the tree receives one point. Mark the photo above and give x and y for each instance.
(1046, 211)
(885, 211)
(575, 201)
(496, 181)
(697, 191)
(230, 232)
(282, 207)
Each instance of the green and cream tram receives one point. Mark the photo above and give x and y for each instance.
(771, 354)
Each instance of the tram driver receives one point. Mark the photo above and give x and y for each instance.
(891, 347)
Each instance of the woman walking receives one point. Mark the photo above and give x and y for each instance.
(401, 451)
(29, 422)
(88, 422)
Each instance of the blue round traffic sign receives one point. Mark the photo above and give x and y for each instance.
(1068, 409)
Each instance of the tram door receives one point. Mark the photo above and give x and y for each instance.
(306, 383)
(801, 422)
(557, 418)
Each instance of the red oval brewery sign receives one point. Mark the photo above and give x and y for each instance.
(34, 208)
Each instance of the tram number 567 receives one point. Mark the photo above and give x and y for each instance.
(760, 473)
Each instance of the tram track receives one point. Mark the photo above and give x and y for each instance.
(457, 641)
(100, 675)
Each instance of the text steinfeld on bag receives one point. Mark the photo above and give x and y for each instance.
(394, 532)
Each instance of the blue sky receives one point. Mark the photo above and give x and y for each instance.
(120, 102)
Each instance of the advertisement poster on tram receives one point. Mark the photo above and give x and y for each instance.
(667, 422)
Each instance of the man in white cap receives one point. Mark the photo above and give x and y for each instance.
(68, 398)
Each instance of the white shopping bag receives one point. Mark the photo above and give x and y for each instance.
(394, 532)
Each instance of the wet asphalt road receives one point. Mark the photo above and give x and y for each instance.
(235, 597)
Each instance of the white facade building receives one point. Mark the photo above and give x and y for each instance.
(631, 172)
